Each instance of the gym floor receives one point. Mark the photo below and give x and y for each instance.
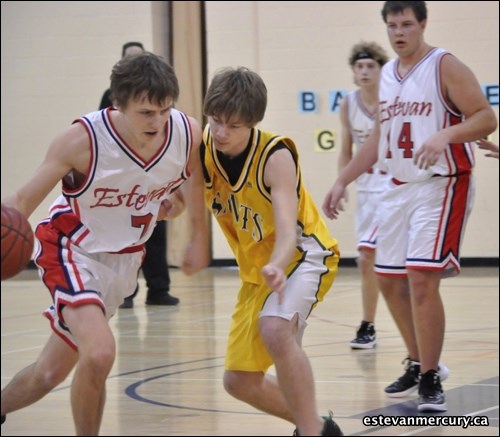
(167, 377)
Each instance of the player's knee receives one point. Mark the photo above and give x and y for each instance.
(233, 384)
(366, 261)
(277, 334)
(99, 361)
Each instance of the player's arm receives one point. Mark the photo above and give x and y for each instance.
(359, 164)
(345, 154)
(464, 93)
(280, 174)
(197, 254)
(69, 150)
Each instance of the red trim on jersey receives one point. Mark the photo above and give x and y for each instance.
(456, 216)
(399, 275)
(131, 249)
(81, 237)
(91, 164)
(166, 129)
(441, 218)
(190, 145)
(448, 104)
(58, 332)
(397, 182)
(54, 273)
(67, 223)
(458, 150)
(75, 207)
(437, 268)
(364, 246)
(364, 109)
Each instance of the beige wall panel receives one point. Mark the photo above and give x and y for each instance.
(56, 61)
(187, 61)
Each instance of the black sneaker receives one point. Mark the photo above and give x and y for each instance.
(3, 419)
(161, 299)
(329, 428)
(128, 302)
(431, 396)
(408, 383)
(365, 337)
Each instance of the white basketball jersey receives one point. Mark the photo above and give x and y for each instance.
(361, 122)
(117, 205)
(411, 109)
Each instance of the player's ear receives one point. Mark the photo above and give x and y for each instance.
(120, 108)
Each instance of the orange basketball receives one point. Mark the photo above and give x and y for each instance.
(17, 242)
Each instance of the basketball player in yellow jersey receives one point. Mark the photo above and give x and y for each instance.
(286, 256)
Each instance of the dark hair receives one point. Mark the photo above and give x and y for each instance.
(143, 75)
(368, 50)
(239, 93)
(131, 44)
(419, 8)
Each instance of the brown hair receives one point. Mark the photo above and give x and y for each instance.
(419, 8)
(237, 93)
(145, 74)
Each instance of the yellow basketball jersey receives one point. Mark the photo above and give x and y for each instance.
(245, 211)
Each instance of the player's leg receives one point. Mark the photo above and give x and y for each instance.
(369, 284)
(366, 233)
(294, 372)
(366, 334)
(32, 383)
(259, 390)
(390, 264)
(96, 347)
(282, 325)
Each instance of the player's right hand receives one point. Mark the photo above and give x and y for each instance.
(333, 204)
(275, 279)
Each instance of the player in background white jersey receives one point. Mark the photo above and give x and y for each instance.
(120, 170)
(430, 108)
(357, 115)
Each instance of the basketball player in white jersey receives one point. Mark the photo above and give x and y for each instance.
(154, 267)
(121, 170)
(357, 116)
(431, 108)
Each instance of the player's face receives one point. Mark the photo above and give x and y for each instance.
(146, 120)
(366, 72)
(229, 136)
(406, 34)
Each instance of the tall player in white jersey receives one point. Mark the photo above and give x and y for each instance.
(357, 116)
(121, 170)
(430, 108)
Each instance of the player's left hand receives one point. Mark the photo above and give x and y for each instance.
(428, 154)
